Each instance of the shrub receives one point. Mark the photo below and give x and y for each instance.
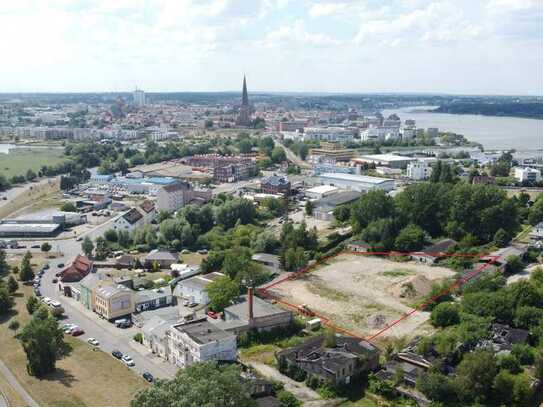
(138, 337)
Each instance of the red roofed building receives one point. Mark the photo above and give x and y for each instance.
(80, 267)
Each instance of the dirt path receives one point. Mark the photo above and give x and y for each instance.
(12, 380)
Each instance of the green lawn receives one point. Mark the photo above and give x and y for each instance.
(19, 161)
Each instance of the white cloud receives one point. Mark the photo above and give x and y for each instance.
(327, 9)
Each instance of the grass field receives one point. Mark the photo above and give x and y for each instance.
(84, 378)
(19, 161)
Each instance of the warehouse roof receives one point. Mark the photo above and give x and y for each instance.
(356, 178)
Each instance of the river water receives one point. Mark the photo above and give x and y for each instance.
(492, 132)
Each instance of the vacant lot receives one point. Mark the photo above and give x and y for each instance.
(85, 378)
(20, 160)
(365, 294)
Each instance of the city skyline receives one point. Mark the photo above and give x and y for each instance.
(416, 46)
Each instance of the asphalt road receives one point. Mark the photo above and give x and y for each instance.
(110, 337)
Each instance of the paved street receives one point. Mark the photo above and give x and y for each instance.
(106, 333)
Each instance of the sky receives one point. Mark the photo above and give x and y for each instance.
(355, 46)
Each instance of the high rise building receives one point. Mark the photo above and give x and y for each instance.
(139, 97)
(244, 118)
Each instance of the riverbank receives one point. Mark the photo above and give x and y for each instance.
(494, 133)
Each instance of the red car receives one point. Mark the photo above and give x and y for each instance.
(78, 332)
(212, 314)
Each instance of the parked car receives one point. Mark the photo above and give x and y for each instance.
(185, 251)
(35, 246)
(127, 360)
(60, 265)
(117, 353)
(70, 328)
(212, 314)
(46, 266)
(37, 292)
(93, 342)
(79, 239)
(202, 251)
(148, 376)
(55, 280)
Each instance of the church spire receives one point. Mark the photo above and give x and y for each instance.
(244, 96)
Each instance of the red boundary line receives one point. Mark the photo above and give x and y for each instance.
(265, 291)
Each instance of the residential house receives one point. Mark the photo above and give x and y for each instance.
(86, 288)
(275, 184)
(431, 254)
(537, 232)
(194, 289)
(154, 335)
(152, 299)
(113, 302)
(200, 341)
(77, 270)
(359, 246)
(334, 365)
(163, 258)
(148, 211)
(270, 261)
(499, 257)
(128, 221)
(125, 261)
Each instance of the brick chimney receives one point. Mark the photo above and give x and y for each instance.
(250, 303)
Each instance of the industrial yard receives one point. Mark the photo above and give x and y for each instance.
(365, 294)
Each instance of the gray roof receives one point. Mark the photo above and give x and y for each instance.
(340, 198)
(265, 257)
(275, 180)
(202, 331)
(199, 282)
(160, 255)
(111, 290)
(261, 308)
(150, 295)
(91, 280)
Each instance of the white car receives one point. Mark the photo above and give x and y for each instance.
(46, 300)
(127, 360)
(93, 342)
(70, 328)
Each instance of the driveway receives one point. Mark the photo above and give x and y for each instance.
(309, 397)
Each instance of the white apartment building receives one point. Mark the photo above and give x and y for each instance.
(173, 197)
(199, 341)
(380, 133)
(527, 174)
(331, 134)
(418, 170)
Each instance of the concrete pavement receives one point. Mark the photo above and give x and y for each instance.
(12, 380)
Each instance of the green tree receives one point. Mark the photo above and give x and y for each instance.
(436, 386)
(236, 260)
(410, 238)
(202, 384)
(12, 285)
(342, 213)
(221, 292)
(43, 343)
(6, 301)
(445, 314)
(32, 304)
(101, 248)
(213, 262)
(475, 375)
(4, 267)
(45, 247)
(370, 207)
(68, 207)
(309, 207)
(513, 265)
(111, 235)
(287, 399)
(14, 326)
(30, 175)
(25, 271)
(245, 146)
(501, 238)
(278, 155)
(87, 246)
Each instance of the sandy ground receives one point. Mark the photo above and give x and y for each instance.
(365, 294)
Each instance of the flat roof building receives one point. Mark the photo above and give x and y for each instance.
(355, 182)
(385, 160)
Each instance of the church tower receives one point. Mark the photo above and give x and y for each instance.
(244, 118)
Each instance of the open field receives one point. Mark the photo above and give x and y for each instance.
(28, 194)
(364, 293)
(84, 378)
(20, 160)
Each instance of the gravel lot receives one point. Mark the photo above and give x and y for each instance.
(364, 293)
